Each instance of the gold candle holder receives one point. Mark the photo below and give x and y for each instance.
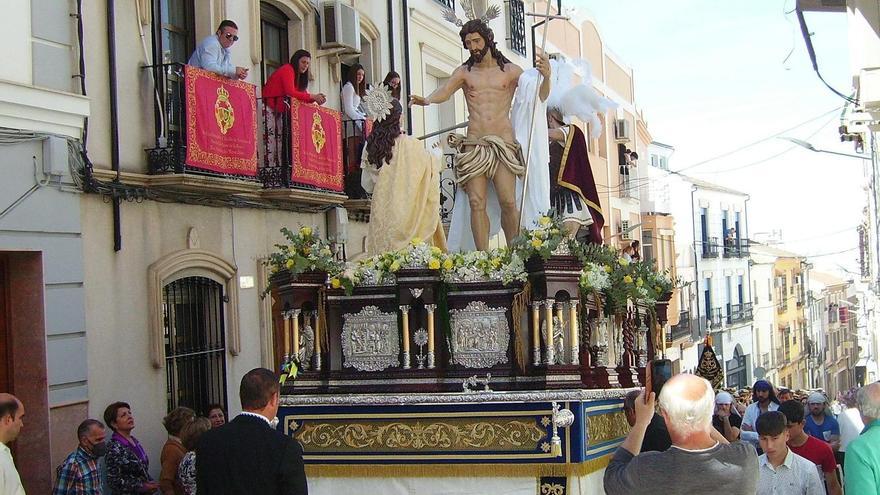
(317, 342)
(548, 339)
(404, 311)
(295, 315)
(286, 316)
(575, 334)
(430, 309)
(536, 333)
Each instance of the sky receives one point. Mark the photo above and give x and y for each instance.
(714, 77)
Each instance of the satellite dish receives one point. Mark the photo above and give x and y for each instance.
(760, 372)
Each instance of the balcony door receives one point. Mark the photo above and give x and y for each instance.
(275, 42)
(174, 32)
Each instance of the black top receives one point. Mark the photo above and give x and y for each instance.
(246, 457)
(656, 436)
(735, 421)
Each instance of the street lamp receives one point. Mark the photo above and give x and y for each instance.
(809, 146)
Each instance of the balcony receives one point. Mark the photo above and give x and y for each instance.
(736, 248)
(782, 305)
(273, 182)
(682, 330)
(710, 247)
(740, 313)
(716, 317)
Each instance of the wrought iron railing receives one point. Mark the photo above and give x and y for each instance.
(682, 329)
(740, 313)
(450, 4)
(736, 248)
(169, 153)
(354, 138)
(710, 247)
(516, 26)
(448, 188)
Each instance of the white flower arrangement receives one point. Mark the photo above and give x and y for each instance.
(483, 266)
(594, 277)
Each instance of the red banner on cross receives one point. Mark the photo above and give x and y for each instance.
(316, 142)
(221, 123)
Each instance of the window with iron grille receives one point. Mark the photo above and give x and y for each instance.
(195, 350)
(447, 3)
(516, 26)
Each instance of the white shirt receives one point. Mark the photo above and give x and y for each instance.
(795, 476)
(210, 55)
(750, 417)
(10, 483)
(851, 426)
(351, 103)
(255, 415)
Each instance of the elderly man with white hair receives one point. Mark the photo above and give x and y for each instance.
(700, 460)
(862, 467)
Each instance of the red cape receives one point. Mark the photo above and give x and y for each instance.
(575, 174)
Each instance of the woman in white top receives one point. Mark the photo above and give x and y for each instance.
(353, 124)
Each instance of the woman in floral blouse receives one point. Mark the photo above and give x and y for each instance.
(190, 436)
(127, 462)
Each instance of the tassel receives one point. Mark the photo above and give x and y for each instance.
(322, 320)
(556, 446)
(519, 308)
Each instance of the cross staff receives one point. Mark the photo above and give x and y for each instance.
(548, 17)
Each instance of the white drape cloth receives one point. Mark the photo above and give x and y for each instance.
(538, 157)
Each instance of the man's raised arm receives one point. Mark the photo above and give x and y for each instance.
(443, 93)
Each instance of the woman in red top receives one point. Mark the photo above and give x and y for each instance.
(291, 80)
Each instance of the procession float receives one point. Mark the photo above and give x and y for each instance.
(419, 370)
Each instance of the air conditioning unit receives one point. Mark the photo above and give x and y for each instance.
(869, 89)
(340, 26)
(624, 230)
(622, 132)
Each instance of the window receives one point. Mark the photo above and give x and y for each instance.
(647, 246)
(663, 164)
(516, 26)
(273, 25)
(755, 291)
(194, 339)
(173, 37)
(737, 369)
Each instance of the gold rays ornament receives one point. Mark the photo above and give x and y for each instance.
(471, 7)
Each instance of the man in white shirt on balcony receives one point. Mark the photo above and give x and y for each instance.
(213, 52)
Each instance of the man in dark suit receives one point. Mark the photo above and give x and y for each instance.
(247, 456)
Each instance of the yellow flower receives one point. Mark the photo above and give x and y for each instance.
(496, 262)
(326, 252)
(394, 266)
(540, 234)
(307, 250)
(433, 264)
(554, 231)
(436, 251)
(536, 243)
(448, 264)
(627, 279)
(305, 231)
(658, 289)
(335, 283)
(544, 221)
(640, 282)
(623, 261)
(416, 241)
(289, 264)
(608, 269)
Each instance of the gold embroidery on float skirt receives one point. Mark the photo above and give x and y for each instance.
(552, 489)
(420, 435)
(606, 427)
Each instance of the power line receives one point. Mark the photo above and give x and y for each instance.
(753, 143)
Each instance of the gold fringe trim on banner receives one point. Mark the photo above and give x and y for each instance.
(519, 308)
(455, 470)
